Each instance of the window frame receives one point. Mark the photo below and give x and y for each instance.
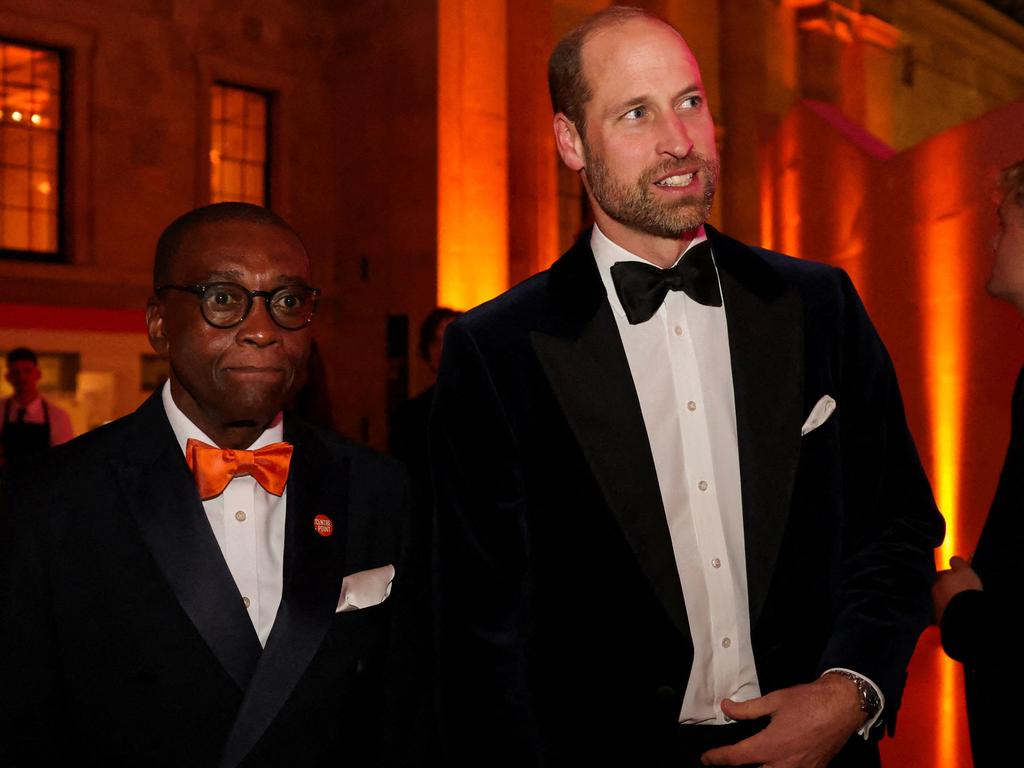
(62, 253)
(268, 132)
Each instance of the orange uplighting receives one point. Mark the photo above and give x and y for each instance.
(767, 199)
(789, 192)
(472, 148)
(947, 705)
(944, 240)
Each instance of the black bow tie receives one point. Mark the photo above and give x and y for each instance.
(642, 287)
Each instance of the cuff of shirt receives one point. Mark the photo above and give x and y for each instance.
(864, 730)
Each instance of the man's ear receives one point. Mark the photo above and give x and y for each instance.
(155, 326)
(569, 143)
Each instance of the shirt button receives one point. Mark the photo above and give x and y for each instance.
(245, 602)
(679, 330)
(240, 516)
(716, 563)
(703, 485)
(691, 406)
(726, 642)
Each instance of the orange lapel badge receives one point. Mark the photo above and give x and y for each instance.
(323, 525)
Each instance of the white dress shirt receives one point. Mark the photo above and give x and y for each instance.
(248, 524)
(680, 363)
(689, 412)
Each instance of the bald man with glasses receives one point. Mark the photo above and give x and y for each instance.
(208, 581)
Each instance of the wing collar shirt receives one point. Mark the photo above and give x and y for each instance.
(690, 416)
(248, 523)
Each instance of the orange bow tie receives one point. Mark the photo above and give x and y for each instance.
(215, 467)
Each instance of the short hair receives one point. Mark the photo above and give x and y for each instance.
(18, 354)
(173, 237)
(1012, 182)
(568, 87)
(428, 330)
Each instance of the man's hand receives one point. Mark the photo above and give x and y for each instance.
(809, 725)
(959, 578)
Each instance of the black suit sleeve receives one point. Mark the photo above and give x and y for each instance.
(481, 559)
(976, 622)
(32, 728)
(891, 522)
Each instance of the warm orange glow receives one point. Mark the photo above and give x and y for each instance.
(789, 191)
(948, 706)
(768, 197)
(943, 242)
(472, 204)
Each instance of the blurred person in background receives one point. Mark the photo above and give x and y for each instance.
(31, 423)
(978, 604)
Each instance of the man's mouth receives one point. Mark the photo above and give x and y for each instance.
(679, 180)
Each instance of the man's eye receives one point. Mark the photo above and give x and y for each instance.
(636, 113)
(222, 297)
(692, 102)
(289, 301)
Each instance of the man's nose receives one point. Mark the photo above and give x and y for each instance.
(258, 327)
(673, 135)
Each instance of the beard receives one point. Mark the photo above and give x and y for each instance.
(636, 206)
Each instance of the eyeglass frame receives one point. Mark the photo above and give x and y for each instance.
(198, 289)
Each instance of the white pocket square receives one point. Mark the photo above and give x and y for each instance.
(819, 414)
(364, 589)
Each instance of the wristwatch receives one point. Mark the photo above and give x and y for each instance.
(869, 701)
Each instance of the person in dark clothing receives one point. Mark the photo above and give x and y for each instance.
(977, 604)
(409, 436)
(676, 492)
(208, 581)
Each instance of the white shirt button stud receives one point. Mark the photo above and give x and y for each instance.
(703, 485)
(679, 330)
(245, 602)
(726, 642)
(716, 563)
(240, 516)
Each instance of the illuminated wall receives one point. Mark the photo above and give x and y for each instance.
(914, 231)
(472, 197)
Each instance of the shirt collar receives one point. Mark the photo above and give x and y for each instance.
(607, 253)
(185, 429)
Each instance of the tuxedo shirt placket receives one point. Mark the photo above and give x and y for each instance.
(249, 525)
(679, 360)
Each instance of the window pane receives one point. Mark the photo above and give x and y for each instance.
(44, 151)
(41, 193)
(30, 138)
(253, 179)
(14, 141)
(233, 142)
(256, 144)
(231, 178)
(15, 188)
(42, 231)
(238, 144)
(16, 229)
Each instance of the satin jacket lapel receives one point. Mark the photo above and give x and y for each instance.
(766, 345)
(313, 569)
(162, 497)
(585, 363)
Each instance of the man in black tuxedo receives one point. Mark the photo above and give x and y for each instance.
(977, 605)
(674, 503)
(237, 615)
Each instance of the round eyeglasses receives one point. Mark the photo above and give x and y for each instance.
(225, 305)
